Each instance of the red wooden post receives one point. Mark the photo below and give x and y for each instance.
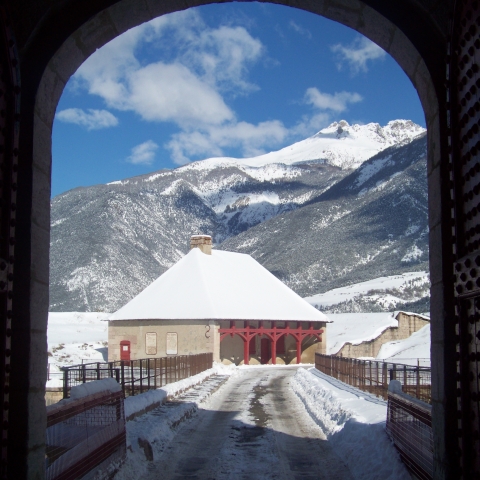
(299, 349)
(274, 344)
(245, 351)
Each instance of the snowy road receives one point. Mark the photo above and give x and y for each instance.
(254, 427)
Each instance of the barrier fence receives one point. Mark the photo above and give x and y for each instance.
(82, 433)
(138, 376)
(372, 376)
(409, 425)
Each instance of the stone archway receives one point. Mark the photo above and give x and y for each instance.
(55, 40)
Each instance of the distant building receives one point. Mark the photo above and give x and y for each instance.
(408, 323)
(220, 302)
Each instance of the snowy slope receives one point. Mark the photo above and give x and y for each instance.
(74, 338)
(388, 293)
(415, 347)
(108, 242)
(356, 328)
(340, 144)
(372, 223)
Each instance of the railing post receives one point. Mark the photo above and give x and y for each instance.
(98, 370)
(122, 370)
(148, 373)
(65, 382)
(132, 377)
(418, 379)
(84, 374)
(141, 376)
(161, 371)
(155, 373)
(168, 374)
(384, 380)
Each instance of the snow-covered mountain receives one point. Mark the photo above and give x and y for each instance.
(109, 241)
(339, 145)
(372, 223)
(407, 291)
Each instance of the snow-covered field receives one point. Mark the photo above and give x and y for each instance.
(386, 292)
(74, 338)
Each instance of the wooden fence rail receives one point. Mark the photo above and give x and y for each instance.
(374, 377)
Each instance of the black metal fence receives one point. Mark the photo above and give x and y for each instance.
(372, 376)
(83, 433)
(409, 425)
(137, 376)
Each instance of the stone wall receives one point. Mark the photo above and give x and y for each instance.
(408, 323)
(193, 337)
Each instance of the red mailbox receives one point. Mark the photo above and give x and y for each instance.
(125, 350)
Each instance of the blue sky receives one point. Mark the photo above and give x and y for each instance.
(236, 79)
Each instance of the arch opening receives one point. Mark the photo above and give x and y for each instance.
(46, 77)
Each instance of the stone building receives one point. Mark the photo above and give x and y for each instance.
(220, 302)
(408, 323)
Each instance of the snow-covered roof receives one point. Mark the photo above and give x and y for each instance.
(220, 286)
(420, 315)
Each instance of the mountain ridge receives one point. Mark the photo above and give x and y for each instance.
(108, 242)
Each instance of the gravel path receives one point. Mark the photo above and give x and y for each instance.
(253, 427)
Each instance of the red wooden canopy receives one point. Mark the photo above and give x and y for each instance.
(248, 332)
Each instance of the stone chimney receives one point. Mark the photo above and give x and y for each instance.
(203, 242)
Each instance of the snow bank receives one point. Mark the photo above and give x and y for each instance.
(354, 422)
(98, 386)
(409, 350)
(140, 404)
(356, 328)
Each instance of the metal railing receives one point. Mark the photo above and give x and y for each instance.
(137, 376)
(409, 425)
(372, 376)
(83, 433)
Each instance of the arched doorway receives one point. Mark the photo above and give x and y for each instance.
(53, 40)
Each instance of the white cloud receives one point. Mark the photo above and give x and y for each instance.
(187, 86)
(161, 92)
(311, 124)
(250, 138)
(325, 101)
(299, 29)
(143, 154)
(91, 119)
(222, 56)
(357, 54)
(185, 89)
